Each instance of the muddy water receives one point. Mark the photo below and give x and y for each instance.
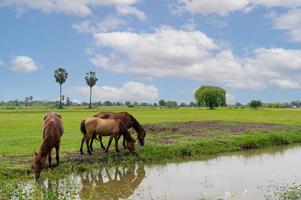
(244, 175)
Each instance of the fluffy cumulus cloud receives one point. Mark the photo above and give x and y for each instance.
(108, 24)
(168, 52)
(213, 6)
(70, 7)
(291, 22)
(132, 91)
(227, 6)
(129, 10)
(23, 64)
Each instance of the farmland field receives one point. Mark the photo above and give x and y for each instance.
(20, 130)
(172, 134)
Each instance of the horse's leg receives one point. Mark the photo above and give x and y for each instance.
(49, 159)
(91, 143)
(123, 143)
(81, 146)
(87, 143)
(110, 140)
(101, 144)
(57, 157)
(116, 143)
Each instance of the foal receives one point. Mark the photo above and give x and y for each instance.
(105, 127)
(127, 119)
(52, 132)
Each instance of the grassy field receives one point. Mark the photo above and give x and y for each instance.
(220, 130)
(20, 130)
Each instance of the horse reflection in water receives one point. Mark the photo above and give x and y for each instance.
(112, 183)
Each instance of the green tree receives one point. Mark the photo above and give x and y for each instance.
(128, 103)
(162, 102)
(91, 81)
(68, 101)
(60, 76)
(107, 103)
(255, 104)
(171, 104)
(26, 101)
(210, 96)
(30, 100)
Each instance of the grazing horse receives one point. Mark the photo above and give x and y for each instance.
(128, 120)
(105, 127)
(52, 132)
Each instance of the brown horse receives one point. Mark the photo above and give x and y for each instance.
(105, 127)
(128, 120)
(52, 133)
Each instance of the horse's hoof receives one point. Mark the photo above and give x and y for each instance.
(89, 152)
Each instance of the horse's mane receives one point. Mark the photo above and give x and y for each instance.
(125, 131)
(46, 146)
(136, 124)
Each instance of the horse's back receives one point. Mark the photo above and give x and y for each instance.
(53, 121)
(125, 117)
(102, 126)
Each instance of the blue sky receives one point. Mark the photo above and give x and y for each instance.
(150, 50)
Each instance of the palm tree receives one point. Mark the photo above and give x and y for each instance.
(60, 76)
(91, 81)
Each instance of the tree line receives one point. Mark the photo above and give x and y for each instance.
(205, 96)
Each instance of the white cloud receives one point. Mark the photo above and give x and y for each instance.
(132, 91)
(192, 55)
(70, 7)
(1, 62)
(126, 10)
(84, 27)
(291, 22)
(23, 64)
(227, 6)
(213, 6)
(108, 24)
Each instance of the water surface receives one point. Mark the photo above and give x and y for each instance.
(242, 175)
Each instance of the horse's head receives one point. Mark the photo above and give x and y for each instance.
(141, 136)
(51, 114)
(130, 144)
(39, 164)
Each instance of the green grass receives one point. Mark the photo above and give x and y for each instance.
(20, 134)
(20, 130)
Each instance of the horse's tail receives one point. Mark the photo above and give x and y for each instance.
(83, 127)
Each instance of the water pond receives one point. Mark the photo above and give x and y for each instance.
(255, 174)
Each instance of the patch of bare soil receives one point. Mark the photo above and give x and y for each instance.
(211, 128)
(79, 158)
